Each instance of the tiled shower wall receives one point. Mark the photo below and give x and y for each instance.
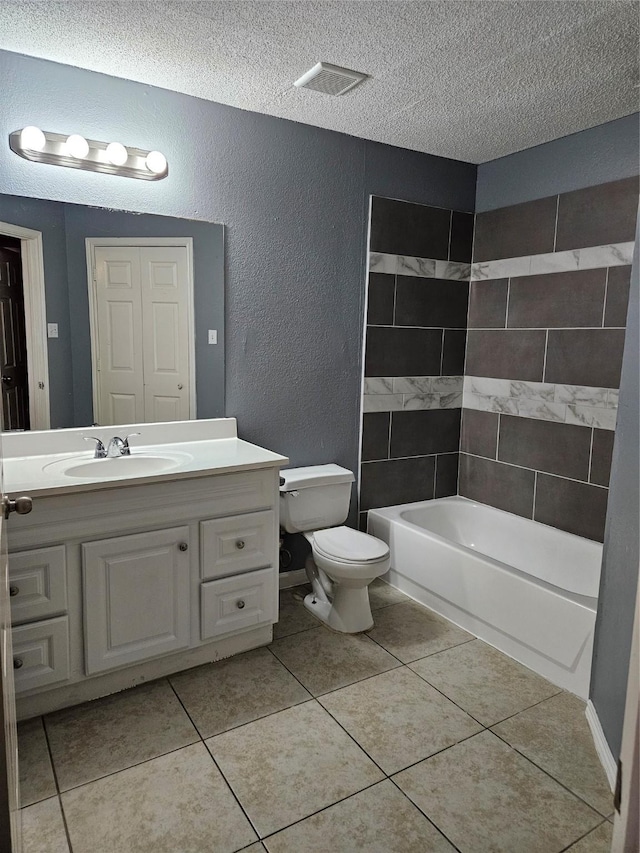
(544, 336)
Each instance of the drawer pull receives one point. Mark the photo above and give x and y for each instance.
(14, 590)
(240, 604)
(240, 544)
(17, 663)
(183, 546)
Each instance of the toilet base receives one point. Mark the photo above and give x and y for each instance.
(348, 613)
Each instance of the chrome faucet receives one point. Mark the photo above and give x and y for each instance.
(116, 447)
(101, 452)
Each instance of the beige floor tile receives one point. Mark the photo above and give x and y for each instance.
(287, 766)
(398, 719)
(381, 594)
(598, 841)
(101, 737)
(325, 660)
(258, 847)
(293, 616)
(410, 631)
(378, 820)
(220, 696)
(486, 797)
(43, 828)
(36, 773)
(178, 802)
(555, 735)
(487, 684)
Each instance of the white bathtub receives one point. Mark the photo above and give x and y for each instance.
(527, 589)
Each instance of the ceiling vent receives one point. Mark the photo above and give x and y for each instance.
(330, 79)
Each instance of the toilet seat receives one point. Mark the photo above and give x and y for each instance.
(347, 546)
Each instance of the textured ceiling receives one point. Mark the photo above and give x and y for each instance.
(467, 80)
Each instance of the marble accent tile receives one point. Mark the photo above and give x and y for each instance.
(379, 262)
(505, 268)
(497, 405)
(485, 796)
(410, 631)
(447, 384)
(422, 267)
(413, 384)
(293, 616)
(540, 733)
(581, 395)
(107, 735)
(382, 402)
(588, 416)
(220, 696)
(43, 828)
(176, 802)
(421, 401)
(325, 660)
(612, 398)
(533, 390)
(398, 719)
(452, 270)
(592, 257)
(542, 410)
(597, 841)
(554, 262)
(485, 683)
(378, 820)
(451, 401)
(616, 254)
(36, 773)
(382, 594)
(487, 386)
(287, 766)
(378, 384)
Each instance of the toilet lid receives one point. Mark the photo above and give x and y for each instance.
(348, 545)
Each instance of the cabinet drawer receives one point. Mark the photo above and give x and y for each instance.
(232, 604)
(40, 653)
(235, 544)
(37, 583)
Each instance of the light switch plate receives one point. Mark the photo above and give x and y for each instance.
(213, 336)
(52, 330)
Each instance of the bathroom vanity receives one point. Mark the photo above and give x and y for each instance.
(133, 567)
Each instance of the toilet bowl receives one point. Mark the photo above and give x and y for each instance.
(343, 562)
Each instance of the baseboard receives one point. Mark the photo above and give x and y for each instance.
(289, 579)
(602, 747)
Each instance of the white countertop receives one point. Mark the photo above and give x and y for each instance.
(41, 474)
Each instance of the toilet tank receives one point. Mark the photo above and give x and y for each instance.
(314, 497)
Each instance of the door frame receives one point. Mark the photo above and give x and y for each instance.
(35, 317)
(91, 243)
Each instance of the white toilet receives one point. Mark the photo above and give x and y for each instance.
(343, 562)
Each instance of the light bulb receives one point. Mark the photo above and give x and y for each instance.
(117, 153)
(156, 162)
(32, 138)
(77, 146)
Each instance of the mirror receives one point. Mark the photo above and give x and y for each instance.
(134, 303)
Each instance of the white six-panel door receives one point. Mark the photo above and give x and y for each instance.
(141, 325)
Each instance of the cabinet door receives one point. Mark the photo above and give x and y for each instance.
(236, 544)
(38, 586)
(136, 597)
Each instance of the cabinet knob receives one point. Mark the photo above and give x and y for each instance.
(240, 604)
(17, 663)
(240, 544)
(14, 590)
(183, 546)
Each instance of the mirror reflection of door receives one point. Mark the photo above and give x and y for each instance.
(13, 352)
(142, 333)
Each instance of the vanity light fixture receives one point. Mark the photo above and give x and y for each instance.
(76, 152)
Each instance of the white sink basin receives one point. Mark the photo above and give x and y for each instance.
(120, 467)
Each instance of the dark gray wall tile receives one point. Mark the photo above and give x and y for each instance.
(585, 357)
(575, 507)
(446, 475)
(493, 483)
(397, 481)
(601, 455)
(565, 299)
(402, 228)
(506, 354)
(363, 518)
(615, 313)
(431, 302)
(402, 352)
(380, 299)
(417, 433)
(461, 237)
(453, 352)
(479, 433)
(545, 446)
(375, 435)
(488, 304)
(598, 215)
(509, 232)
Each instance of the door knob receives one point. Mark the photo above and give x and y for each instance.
(21, 505)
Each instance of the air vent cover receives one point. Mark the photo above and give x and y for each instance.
(330, 79)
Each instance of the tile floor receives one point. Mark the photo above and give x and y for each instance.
(413, 738)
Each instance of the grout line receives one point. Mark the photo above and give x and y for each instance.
(435, 473)
(535, 488)
(498, 435)
(57, 784)
(544, 360)
(555, 226)
(497, 328)
(450, 235)
(593, 430)
(441, 352)
(389, 438)
(404, 794)
(506, 307)
(606, 293)
(395, 299)
(567, 849)
(419, 456)
(534, 470)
